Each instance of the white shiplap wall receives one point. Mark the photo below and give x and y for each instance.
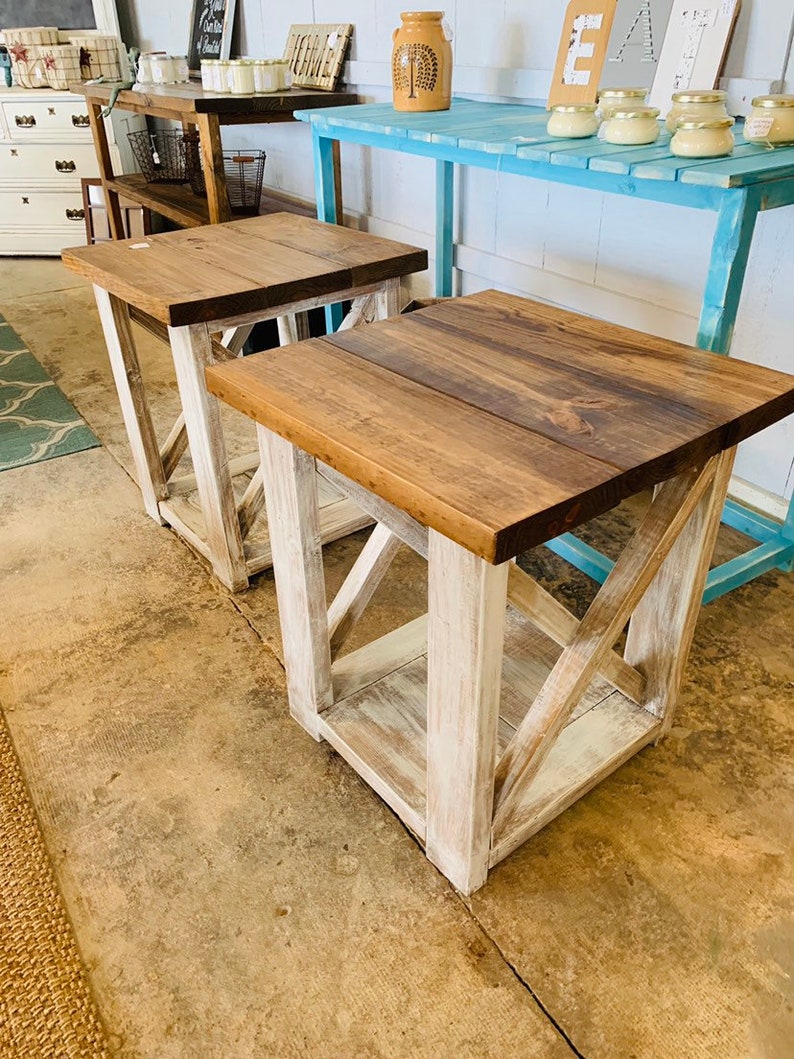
(636, 263)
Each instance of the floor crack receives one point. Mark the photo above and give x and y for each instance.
(522, 981)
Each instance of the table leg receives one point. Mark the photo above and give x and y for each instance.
(192, 352)
(662, 626)
(327, 185)
(445, 201)
(729, 254)
(212, 165)
(149, 471)
(294, 526)
(102, 149)
(466, 615)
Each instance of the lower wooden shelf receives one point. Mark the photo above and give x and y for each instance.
(379, 725)
(179, 204)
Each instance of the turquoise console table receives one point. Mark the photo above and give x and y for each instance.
(512, 138)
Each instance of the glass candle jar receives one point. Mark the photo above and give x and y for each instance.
(611, 99)
(208, 74)
(573, 122)
(181, 68)
(771, 121)
(163, 69)
(241, 77)
(221, 75)
(703, 139)
(696, 106)
(632, 126)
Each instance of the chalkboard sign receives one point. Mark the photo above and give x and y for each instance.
(210, 31)
(65, 14)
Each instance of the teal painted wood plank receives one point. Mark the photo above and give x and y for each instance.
(506, 138)
(672, 168)
(623, 162)
(586, 153)
(501, 122)
(742, 173)
(542, 152)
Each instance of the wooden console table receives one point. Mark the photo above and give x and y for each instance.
(512, 138)
(207, 111)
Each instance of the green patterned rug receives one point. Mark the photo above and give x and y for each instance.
(36, 421)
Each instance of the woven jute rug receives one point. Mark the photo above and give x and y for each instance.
(46, 1009)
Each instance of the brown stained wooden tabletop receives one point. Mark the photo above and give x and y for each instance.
(243, 266)
(462, 415)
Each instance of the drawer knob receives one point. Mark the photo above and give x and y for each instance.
(25, 200)
(51, 111)
(75, 215)
(80, 121)
(65, 167)
(25, 121)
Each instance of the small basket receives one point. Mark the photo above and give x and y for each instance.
(244, 172)
(161, 155)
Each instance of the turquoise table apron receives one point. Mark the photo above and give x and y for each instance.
(512, 138)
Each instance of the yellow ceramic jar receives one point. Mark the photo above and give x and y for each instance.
(612, 99)
(633, 127)
(422, 62)
(696, 106)
(573, 122)
(703, 139)
(771, 121)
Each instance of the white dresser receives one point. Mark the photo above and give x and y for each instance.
(45, 149)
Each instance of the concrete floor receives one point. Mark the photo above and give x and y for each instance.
(237, 891)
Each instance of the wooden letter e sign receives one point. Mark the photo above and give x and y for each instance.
(583, 49)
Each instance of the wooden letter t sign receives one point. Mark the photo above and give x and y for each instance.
(583, 49)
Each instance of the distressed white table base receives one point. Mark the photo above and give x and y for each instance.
(483, 720)
(219, 526)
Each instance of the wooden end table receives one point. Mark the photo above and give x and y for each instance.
(189, 287)
(472, 431)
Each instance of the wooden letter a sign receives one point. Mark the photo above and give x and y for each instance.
(583, 48)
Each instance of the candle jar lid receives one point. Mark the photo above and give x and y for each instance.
(624, 93)
(574, 108)
(710, 96)
(635, 112)
(773, 101)
(716, 123)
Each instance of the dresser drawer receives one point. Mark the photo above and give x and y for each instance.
(56, 165)
(28, 118)
(43, 209)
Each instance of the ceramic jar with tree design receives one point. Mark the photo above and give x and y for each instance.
(422, 62)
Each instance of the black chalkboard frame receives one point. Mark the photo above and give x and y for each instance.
(216, 44)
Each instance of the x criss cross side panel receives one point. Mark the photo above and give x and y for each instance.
(499, 421)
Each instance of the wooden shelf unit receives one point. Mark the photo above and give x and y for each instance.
(207, 112)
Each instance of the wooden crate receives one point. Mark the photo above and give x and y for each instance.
(315, 53)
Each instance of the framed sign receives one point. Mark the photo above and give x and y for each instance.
(694, 47)
(636, 43)
(210, 31)
(583, 49)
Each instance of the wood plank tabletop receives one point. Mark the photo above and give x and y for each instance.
(191, 98)
(518, 129)
(222, 270)
(499, 421)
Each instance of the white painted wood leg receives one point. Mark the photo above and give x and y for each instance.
(388, 299)
(466, 617)
(149, 472)
(663, 625)
(293, 327)
(294, 524)
(192, 352)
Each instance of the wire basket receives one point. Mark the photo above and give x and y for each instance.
(244, 171)
(161, 155)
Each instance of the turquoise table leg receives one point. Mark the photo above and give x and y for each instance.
(729, 253)
(325, 192)
(445, 202)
